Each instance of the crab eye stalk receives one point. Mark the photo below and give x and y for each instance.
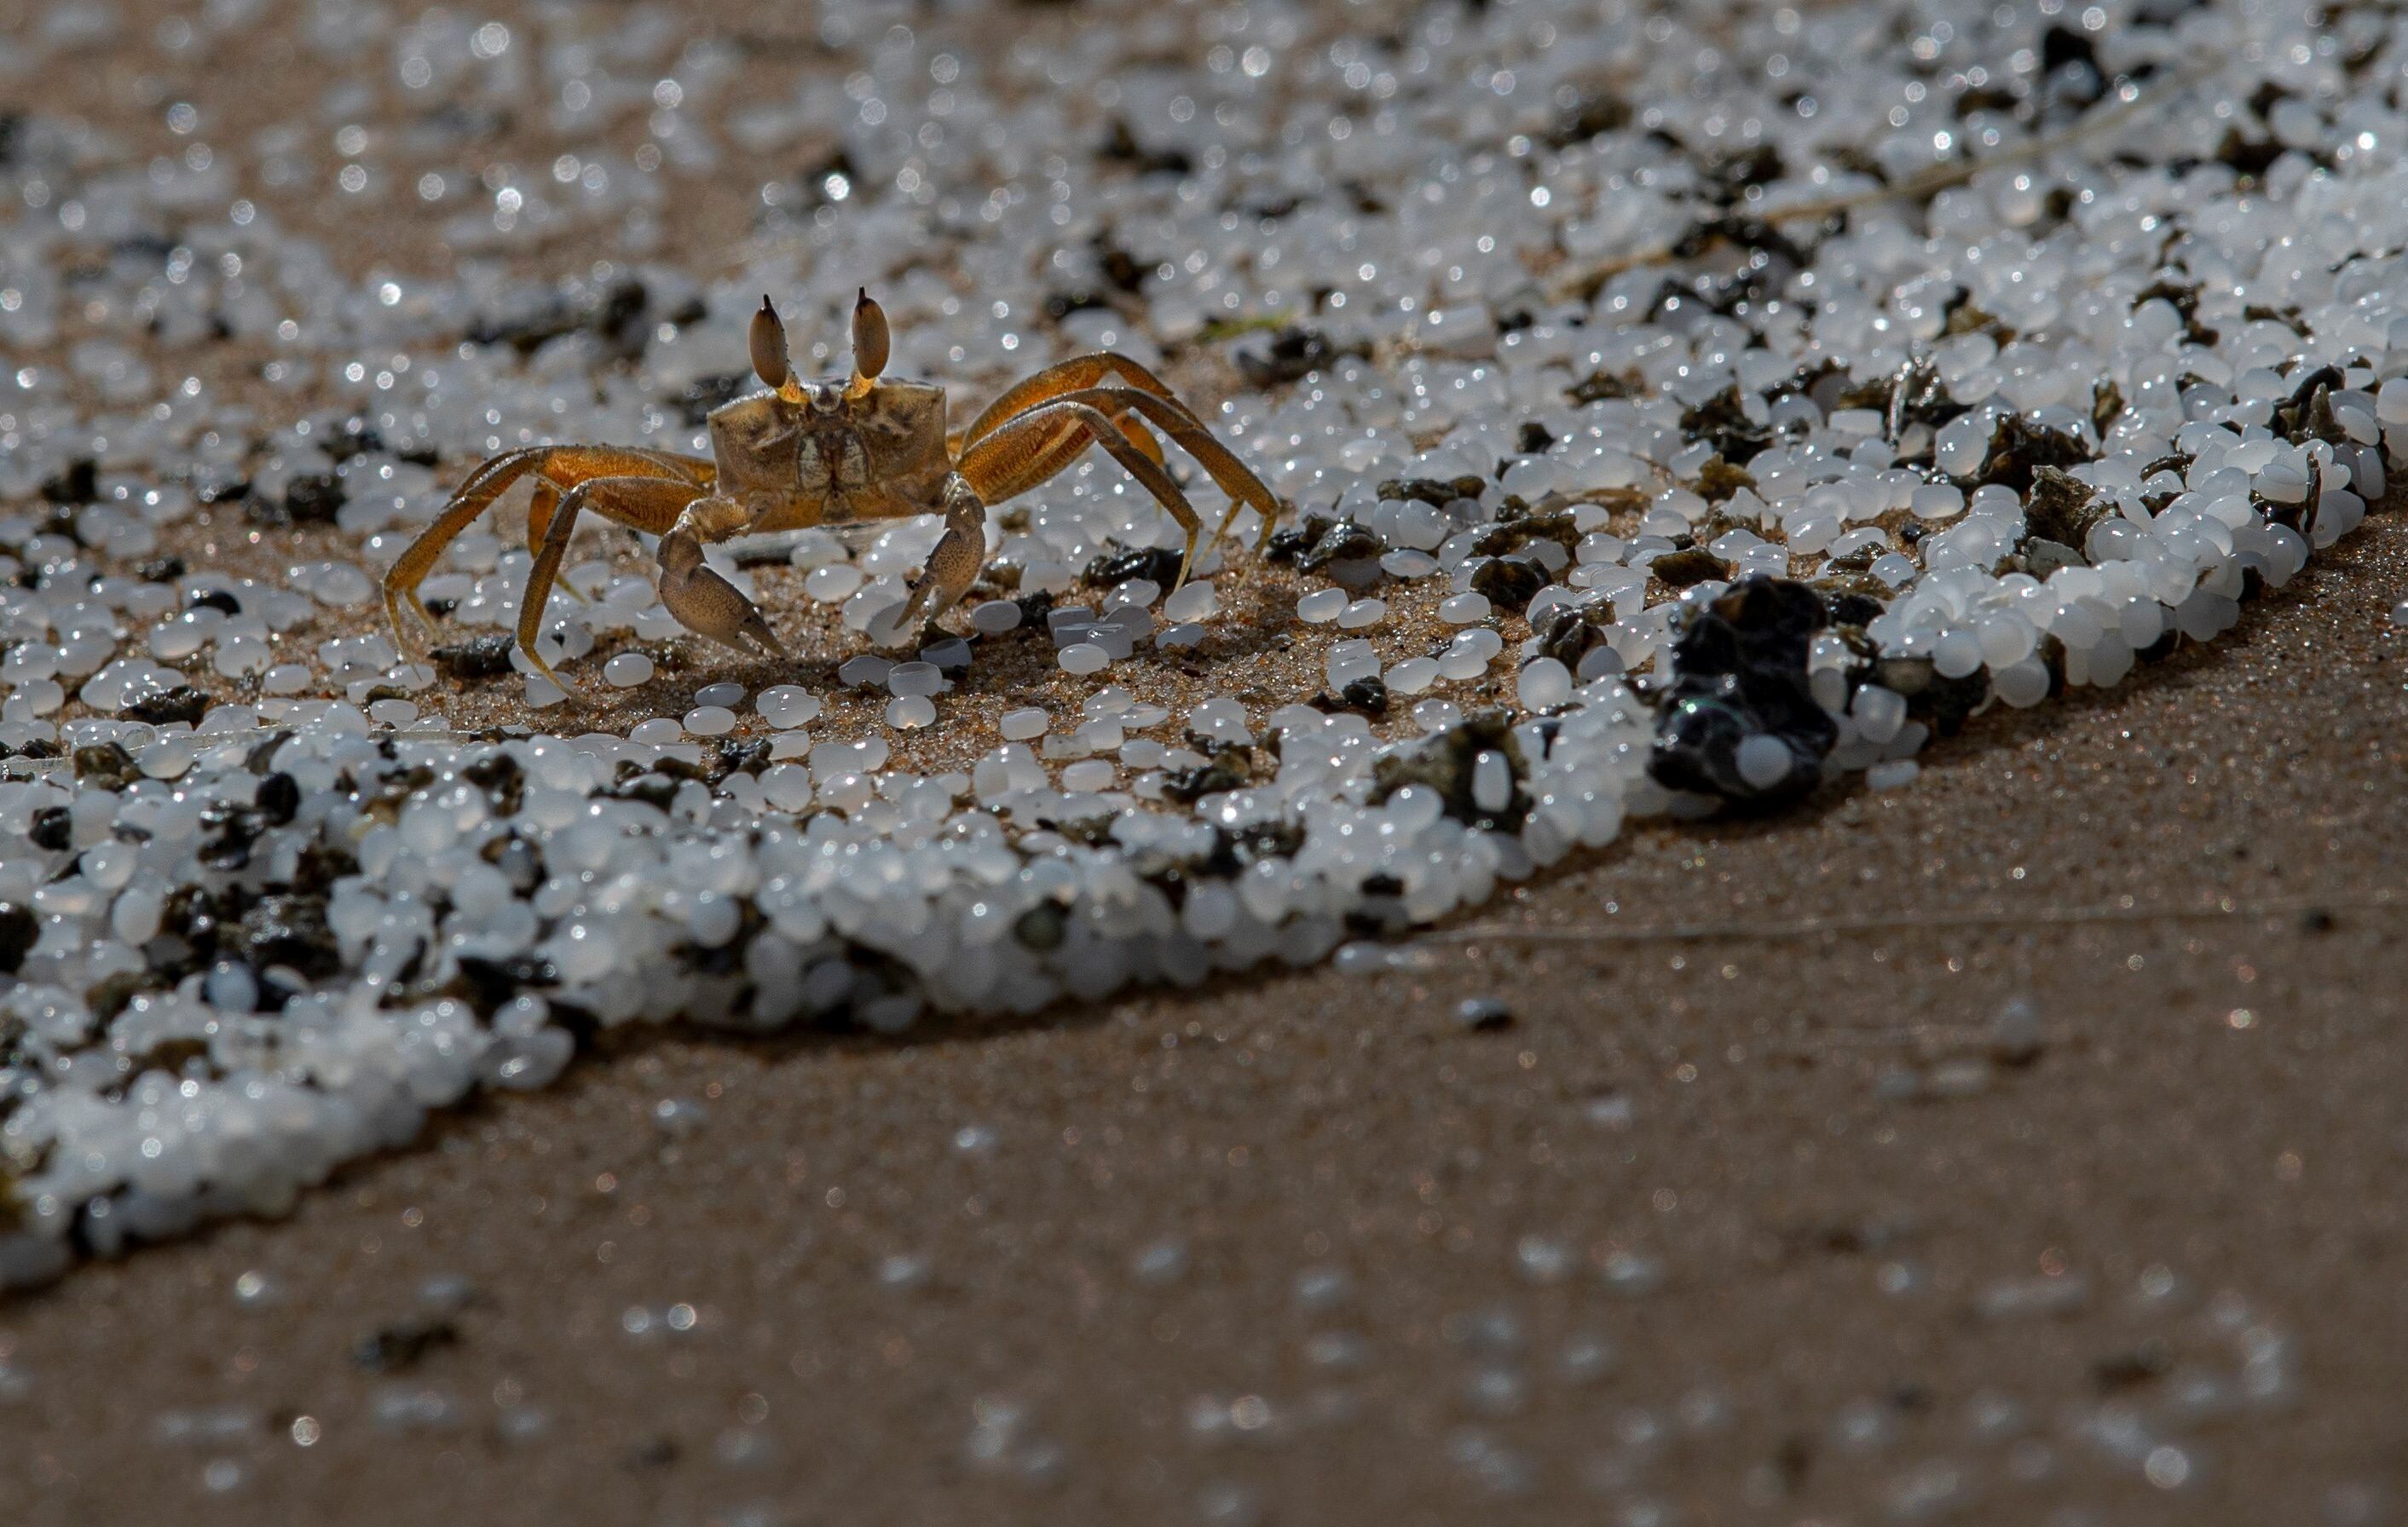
(769, 347)
(869, 343)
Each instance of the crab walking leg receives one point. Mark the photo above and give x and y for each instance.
(1232, 475)
(487, 483)
(564, 466)
(649, 504)
(702, 601)
(1035, 445)
(955, 564)
(1076, 375)
(550, 485)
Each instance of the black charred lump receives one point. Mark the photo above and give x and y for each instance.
(78, 482)
(1518, 530)
(19, 928)
(2019, 449)
(1368, 695)
(51, 829)
(487, 984)
(1510, 583)
(1294, 353)
(1033, 607)
(353, 436)
(308, 500)
(1230, 768)
(1718, 480)
(278, 797)
(290, 930)
(1739, 671)
(1569, 636)
(739, 758)
(2063, 508)
(392, 1348)
(1855, 609)
(161, 570)
(1940, 703)
(181, 704)
(1680, 569)
(1296, 540)
(1723, 420)
(105, 764)
(1344, 541)
(1598, 386)
(479, 657)
(1157, 564)
(1120, 147)
(1448, 763)
(1436, 492)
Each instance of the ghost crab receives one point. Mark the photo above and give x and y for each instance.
(830, 452)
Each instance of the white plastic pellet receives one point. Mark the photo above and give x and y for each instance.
(995, 617)
(1022, 724)
(784, 706)
(1321, 607)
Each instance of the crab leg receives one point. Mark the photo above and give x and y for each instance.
(1076, 375)
(1047, 438)
(561, 466)
(649, 504)
(1234, 476)
(703, 601)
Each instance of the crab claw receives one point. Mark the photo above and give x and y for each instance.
(710, 606)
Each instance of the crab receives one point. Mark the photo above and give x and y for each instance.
(839, 450)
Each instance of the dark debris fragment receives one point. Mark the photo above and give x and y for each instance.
(1739, 671)
(485, 656)
(400, 1346)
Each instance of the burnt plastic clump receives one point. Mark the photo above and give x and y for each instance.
(2019, 449)
(479, 657)
(1157, 564)
(1509, 582)
(1449, 763)
(1739, 671)
(1342, 541)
